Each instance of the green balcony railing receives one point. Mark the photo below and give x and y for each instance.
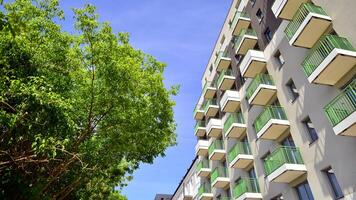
(210, 102)
(258, 80)
(343, 105)
(238, 39)
(221, 54)
(219, 171)
(233, 118)
(270, 112)
(300, 16)
(199, 124)
(236, 18)
(204, 188)
(246, 185)
(239, 148)
(282, 155)
(322, 49)
(216, 144)
(204, 163)
(223, 73)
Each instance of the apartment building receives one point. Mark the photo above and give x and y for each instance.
(188, 186)
(276, 117)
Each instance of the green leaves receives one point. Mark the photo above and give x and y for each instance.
(78, 113)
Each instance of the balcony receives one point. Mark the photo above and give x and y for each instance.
(226, 80)
(198, 112)
(235, 126)
(341, 111)
(203, 168)
(284, 165)
(219, 178)
(204, 192)
(201, 149)
(209, 90)
(230, 102)
(216, 150)
(211, 108)
(286, 9)
(187, 197)
(329, 60)
(246, 40)
(222, 61)
(241, 20)
(247, 189)
(253, 63)
(261, 90)
(214, 128)
(200, 129)
(271, 123)
(307, 26)
(240, 156)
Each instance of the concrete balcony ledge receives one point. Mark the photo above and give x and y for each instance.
(241, 161)
(217, 155)
(287, 173)
(285, 9)
(204, 172)
(206, 196)
(214, 128)
(250, 196)
(187, 197)
(236, 130)
(329, 71)
(201, 147)
(253, 63)
(230, 102)
(347, 126)
(248, 41)
(221, 182)
(263, 94)
(273, 129)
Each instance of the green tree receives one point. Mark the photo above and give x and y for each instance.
(78, 112)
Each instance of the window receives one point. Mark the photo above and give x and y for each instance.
(253, 2)
(259, 15)
(334, 183)
(292, 90)
(288, 142)
(211, 68)
(313, 135)
(268, 34)
(245, 145)
(254, 184)
(279, 58)
(304, 191)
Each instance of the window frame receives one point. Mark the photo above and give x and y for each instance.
(269, 36)
(303, 184)
(313, 136)
(332, 184)
(278, 55)
(293, 92)
(259, 15)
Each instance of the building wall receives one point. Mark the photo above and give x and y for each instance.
(330, 150)
(189, 184)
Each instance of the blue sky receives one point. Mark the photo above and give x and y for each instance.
(182, 34)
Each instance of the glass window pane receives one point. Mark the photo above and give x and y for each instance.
(334, 184)
(304, 192)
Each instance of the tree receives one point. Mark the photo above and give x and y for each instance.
(78, 112)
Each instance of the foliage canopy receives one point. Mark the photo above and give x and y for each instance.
(78, 112)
